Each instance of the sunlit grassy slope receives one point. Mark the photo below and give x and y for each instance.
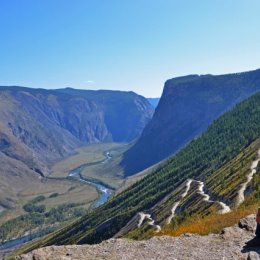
(213, 223)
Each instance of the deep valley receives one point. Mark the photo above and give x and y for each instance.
(74, 182)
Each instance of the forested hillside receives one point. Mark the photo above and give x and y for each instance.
(223, 141)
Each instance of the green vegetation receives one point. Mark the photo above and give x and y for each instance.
(69, 191)
(38, 220)
(90, 159)
(196, 221)
(223, 141)
(39, 198)
(55, 194)
(73, 192)
(109, 173)
(40, 127)
(32, 207)
(196, 216)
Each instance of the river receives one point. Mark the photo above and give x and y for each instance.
(104, 194)
(8, 246)
(104, 191)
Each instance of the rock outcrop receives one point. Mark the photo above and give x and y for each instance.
(228, 245)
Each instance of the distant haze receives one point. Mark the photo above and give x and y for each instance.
(154, 101)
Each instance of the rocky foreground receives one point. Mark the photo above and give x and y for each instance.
(225, 246)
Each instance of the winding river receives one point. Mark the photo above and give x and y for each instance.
(104, 194)
(104, 191)
(10, 245)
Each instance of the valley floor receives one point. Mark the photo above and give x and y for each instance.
(228, 245)
(67, 190)
(97, 162)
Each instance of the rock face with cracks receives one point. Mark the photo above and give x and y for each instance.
(228, 245)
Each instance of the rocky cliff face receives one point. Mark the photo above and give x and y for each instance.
(188, 105)
(40, 126)
(227, 245)
(90, 116)
(52, 123)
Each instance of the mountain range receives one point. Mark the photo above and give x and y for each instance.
(204, 136)
(209, 177)
(39, 127)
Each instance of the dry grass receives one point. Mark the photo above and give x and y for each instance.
(210, 224)
(10, 214)
(29, 185)
(87, 154)
(69, 192)
(110, 173)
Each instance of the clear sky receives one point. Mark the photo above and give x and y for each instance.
(125, 44)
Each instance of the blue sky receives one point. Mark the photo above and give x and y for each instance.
(128, 45)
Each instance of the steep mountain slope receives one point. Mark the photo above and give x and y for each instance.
(217, 193)
(125, 114)
(147, 205)
(38, 127)
(188, 105)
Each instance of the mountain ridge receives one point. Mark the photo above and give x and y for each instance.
(39, 127)
(225, 140)
(187, 106)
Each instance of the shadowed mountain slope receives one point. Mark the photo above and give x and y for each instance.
(187, 106)
(154, 101)
(38, 127)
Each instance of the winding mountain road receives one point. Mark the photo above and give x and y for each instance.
(176, 204)
(224, 207)
(241, 192)
(200, 190)
(150, 222)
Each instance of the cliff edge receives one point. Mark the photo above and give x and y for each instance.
(227, 245)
